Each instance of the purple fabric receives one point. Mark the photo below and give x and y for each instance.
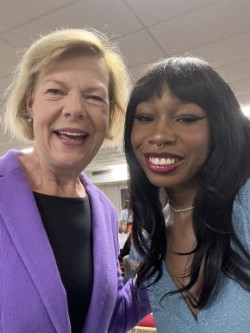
(32, 297)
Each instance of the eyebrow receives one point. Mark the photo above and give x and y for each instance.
(95, 89)
(54, 81)
(88, 90)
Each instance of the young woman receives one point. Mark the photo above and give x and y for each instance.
(186, 137)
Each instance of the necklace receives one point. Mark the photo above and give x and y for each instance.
(181, 210)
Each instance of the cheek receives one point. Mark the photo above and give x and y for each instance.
(136, 137)
(133, 139)
(41, 124)
(200, 143)
(100, 120)
(42, 112)
(105, 123)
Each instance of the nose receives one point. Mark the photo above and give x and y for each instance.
(162, 133)
(74, 106)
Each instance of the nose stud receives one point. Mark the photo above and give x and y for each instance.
(161, 146)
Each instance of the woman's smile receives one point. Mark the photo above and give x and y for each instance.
(170, 139)
(71, 136)
(162, 163)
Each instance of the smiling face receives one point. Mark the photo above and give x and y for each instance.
(70, 111)
(170, 140)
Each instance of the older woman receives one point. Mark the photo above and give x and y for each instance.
(59, 246)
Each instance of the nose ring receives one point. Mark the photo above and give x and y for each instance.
(161, 146)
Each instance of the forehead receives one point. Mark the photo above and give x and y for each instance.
(165, 101)
(85, 65)
(163, 94)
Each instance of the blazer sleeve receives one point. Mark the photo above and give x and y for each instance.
(131, 306)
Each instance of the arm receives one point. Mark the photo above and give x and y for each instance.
(130, 306)
(114, 307)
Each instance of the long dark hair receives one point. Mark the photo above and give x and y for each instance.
(227, 168)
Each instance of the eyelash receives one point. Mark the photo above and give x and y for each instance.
(143, 118)
(95, 97)
(190, 119)
(182, 119)
(54, 91)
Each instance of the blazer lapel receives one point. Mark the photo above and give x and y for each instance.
(22, 219)
(101, 265)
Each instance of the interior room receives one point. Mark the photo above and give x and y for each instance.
(145, 31)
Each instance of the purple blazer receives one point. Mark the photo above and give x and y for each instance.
(32, 296)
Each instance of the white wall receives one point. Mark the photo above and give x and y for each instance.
(113, 192)
(111, 181)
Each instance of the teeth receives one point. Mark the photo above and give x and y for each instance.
(162, 160)
(71, 134)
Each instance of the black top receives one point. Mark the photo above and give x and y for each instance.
(67, 222)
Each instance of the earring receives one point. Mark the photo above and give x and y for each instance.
(30, 120)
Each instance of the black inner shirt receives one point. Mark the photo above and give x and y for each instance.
(67, 222)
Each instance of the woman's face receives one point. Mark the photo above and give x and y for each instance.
(70, 111)
(183, 129)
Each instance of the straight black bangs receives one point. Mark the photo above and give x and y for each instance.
(189, 79)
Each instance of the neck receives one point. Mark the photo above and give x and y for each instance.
(180, 210)
(44, 180)
(182, 199)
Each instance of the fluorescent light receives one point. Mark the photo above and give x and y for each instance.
(119, 171)
(246, 110)
(27, 150)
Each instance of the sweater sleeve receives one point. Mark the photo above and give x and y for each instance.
(241, 215)
(135, 306)
(130, 306)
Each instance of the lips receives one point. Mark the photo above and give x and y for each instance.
(71, 135)
(162, 163)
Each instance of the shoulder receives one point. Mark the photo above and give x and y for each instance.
(241, 213)
(245, 189)
(9, 161)
(242, 199)
(11, 172)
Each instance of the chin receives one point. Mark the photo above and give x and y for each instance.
(70, 164)
(163, 181)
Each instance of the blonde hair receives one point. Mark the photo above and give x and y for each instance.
(49, 49)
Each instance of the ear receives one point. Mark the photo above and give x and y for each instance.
(29, 104)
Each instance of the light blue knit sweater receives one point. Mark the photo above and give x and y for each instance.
(228, 310)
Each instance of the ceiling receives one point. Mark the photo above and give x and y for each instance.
(145, 30)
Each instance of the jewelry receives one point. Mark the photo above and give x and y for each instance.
(161, 146)
(181, 210)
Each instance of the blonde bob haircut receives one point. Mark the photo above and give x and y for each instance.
(47, 50)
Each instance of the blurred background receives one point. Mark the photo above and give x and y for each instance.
(145, 30)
